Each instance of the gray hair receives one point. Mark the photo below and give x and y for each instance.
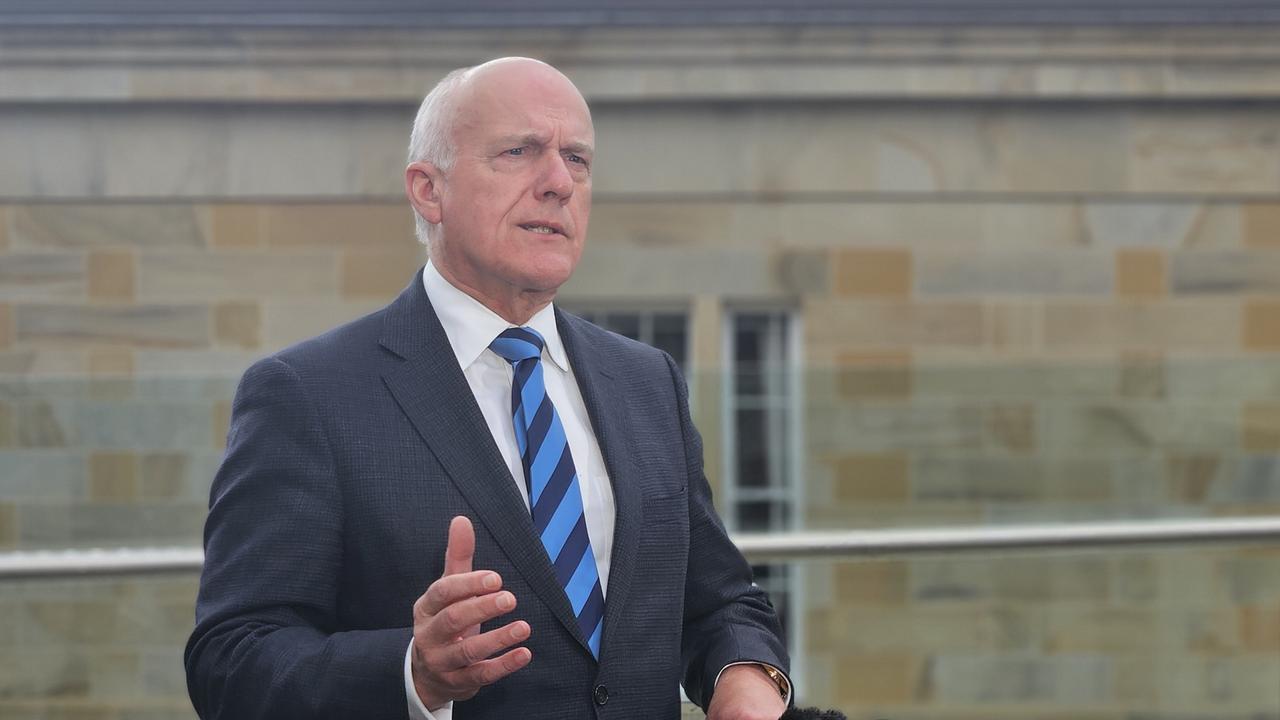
(432, 137)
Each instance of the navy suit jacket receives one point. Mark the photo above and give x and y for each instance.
(347, 456)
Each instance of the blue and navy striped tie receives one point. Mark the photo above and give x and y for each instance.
(554, 494)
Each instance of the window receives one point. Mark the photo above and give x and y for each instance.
(761, 448)
(667, 330)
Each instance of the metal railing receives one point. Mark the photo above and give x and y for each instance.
(866, 544)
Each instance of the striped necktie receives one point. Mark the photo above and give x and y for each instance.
(555, 498)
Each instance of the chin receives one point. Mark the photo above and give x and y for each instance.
(549, 275)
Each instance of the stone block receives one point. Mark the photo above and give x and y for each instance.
(984, 274)
(1216, 150)
(984, 376)
(1192, 475)
(671, 273)
(112, 275)
(357, 227)
(1166, 225)
(1141, 273)
(1142, 375)
(1011, 427)
(8, 525)
(870, 374)
(70, 525)
(1170, 325)
(881, 426)
(81, 227)
(238, 324)
(1011, 325)
(29, 365)
(113, 477)
(42, 424)
(1245, 377)
(962, 478)
(877, 324)
(1260, 320)
(1226, 272)
(141, 425)
(803, 272)
(923, 630)
(1021, 226)
(221, 423)
(6, 325)
(77, 622)
(110, 373)
(44, 673)
(49, 476)
(1101, 630)
(1259, 628)
(286, 322)
(871, 583)
(380, 275)
(667, 224)
(1224, 479)
(885, 273)
(877, 678)
(153, 326)
(41, 276)
(4, 229)
(1260, 427)
(1251, 579)
(1011, 678)
(7, 435)
(236, 226)
(163, 476)
(189, 374)
(236, 275)
(114, 674)
(1138, 426)
(872, 477)
(1261, 224)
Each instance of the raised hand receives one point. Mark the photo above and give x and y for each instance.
(451, 658)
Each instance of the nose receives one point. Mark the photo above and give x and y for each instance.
(555, 183)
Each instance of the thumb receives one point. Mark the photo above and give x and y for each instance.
(462, 546)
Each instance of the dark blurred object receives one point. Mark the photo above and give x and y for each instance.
(812, 714)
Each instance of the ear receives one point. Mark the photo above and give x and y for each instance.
(422, 182)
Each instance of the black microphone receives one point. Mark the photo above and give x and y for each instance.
(812, 714)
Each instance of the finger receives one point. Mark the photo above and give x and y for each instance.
(461, 548)
(463, 615)
(455, 588)
(480, 647)
(487, 672)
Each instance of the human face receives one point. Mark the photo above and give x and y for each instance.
(513, 209)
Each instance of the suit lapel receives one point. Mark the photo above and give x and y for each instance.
(601, 392)
(431, 390)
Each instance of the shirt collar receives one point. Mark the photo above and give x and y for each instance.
(470, 326)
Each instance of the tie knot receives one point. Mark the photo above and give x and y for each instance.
(516, 344)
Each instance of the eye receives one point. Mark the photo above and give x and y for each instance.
(577, 159)
(516, 151)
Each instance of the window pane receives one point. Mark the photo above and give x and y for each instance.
(752, 453)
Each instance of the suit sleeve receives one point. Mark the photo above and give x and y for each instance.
(267, 642)
(727, 618)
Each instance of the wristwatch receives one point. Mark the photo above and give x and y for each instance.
(784, 687)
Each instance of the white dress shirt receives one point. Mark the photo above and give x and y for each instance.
(470, 327)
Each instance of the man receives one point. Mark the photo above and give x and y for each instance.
(470, 504)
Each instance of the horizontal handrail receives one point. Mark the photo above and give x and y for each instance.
(986, 538)
(878, 544)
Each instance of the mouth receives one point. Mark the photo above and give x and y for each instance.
(543, 228)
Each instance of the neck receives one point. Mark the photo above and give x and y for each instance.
(516, 307)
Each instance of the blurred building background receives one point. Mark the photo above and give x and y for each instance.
(974, 262)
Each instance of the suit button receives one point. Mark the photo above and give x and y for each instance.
(601, 694)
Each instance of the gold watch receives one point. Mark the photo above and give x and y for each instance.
(784, 687)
